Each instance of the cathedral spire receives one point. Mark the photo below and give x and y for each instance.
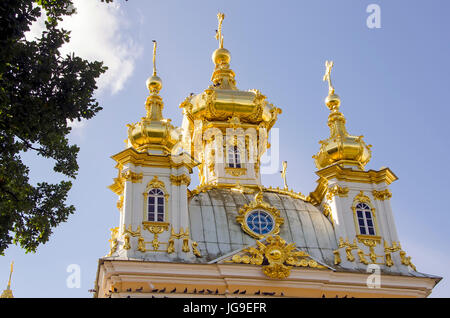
(154, 104)
(153, 131)
(340, 147)
(7, 293)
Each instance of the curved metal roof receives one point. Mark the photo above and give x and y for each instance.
(213, 225)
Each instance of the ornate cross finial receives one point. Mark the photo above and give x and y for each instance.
(283, 174)
(219, 36)
(7, 293)
(10, 274)
(154, 58)
(327, 77)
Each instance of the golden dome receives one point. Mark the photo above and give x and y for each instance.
(150, 134)
(341, 147)
(153, 131)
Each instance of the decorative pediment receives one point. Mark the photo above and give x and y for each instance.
(279, 256)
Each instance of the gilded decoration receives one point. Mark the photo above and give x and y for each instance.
(155, 183)
(388, 250)
(184, 235)
(369, 241)
(382, 195)
(156, 228)
(340, 173)
(337, 190)
(119, 203)
(283, 175)
(279, 255)
(179, 180)
(406, 260)
(126, 242)
(130, 231)
(259, 204)
(113, 241)
(118, 186)
(236, 172)
(195, 249)
(327, 212)
(349, 247)
(132, 176)
(371, 258)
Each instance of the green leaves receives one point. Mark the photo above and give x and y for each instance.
(40, 90)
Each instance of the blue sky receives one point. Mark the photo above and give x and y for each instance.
(392, 82)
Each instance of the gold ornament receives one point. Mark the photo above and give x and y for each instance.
(280, 256)
(382, 195)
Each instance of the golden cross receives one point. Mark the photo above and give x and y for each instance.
(154, 58)
(219, 36)
(283, 174)
(327, 76)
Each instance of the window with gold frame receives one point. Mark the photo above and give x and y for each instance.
(364, 215)
(156, 199)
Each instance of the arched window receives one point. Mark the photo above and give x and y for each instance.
(155, 205)
(234, 157)
(365, 219)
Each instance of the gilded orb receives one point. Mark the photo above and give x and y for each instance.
(221, 56)
(154, 84)
(332, 101)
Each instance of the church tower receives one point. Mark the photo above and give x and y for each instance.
(355, 200)
(152, 187)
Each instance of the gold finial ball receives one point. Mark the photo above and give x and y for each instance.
(154, 84)
(221, 56)
(333, 101)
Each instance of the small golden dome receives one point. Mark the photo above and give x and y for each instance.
(154, 84)
(341, 147)
(351, 150)
(152, 134)
(221, 56)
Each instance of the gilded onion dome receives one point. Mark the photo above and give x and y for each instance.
(340, 147)
(223, 101)
(153, 131)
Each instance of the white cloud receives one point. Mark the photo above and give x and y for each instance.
(96, 34)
